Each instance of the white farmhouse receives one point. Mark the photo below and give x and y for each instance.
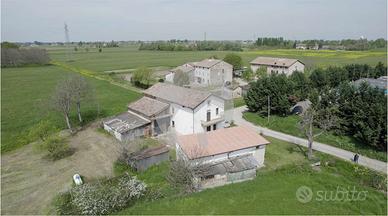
(192, 111)
(225, 156)
(212, 72)
(277, 65)
(185, 68)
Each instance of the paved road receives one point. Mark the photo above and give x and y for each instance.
(346, 155)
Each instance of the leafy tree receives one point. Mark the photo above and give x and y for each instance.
(301, 84)
(142, 77)
(261, 72)
(247, 75)
(318, 78)
(380, 70)
(42, 130)
(336, 75)
(181, 78)
(234, 60)
(277, 88)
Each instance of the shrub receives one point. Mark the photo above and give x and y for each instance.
(107, 197)
(42, 130)
(64, 206)
(57, 148)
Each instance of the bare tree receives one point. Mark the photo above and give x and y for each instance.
(306, 125)
(185, 174)
(80, 90)
(62, 100)
(181, 78)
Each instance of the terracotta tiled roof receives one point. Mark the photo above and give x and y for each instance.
(219, 141)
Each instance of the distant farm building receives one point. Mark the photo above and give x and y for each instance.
(204, 73)
(380, 83)
(277, 65)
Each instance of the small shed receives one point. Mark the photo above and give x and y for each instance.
(300, 107)
(143, 159)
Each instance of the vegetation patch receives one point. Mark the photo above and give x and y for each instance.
(101, 197)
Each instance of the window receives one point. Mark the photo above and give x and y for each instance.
(173, 123)
(208, 128)
(208, 115)
(172, 110)
(214, 127)
(217, 111)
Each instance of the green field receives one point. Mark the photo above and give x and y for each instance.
(273, 190)
(289, 125)
(129, 57)
(25, 98)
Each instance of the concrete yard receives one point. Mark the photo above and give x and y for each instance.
(29, 182)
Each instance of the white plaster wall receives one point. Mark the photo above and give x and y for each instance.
(220, 73)
(297, 66)
(242, 152)
(203, 73)
(200, 112)
(183, 118)
(260, 154)
(170, 77)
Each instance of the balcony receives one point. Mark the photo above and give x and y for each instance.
(219, 118)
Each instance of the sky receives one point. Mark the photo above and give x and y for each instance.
(104, 20)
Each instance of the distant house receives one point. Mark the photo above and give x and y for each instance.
(225, 156)
(185, 68)
(380, 83)
(143, 159)
(192, 111)
(212, 72)
(277, 65)
(301, 46)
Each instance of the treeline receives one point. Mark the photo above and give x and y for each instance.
(361, 111)
(184, 45)
(346, 44)
(13, 56)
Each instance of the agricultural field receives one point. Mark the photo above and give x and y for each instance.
(25, 101)
(123, 58)
(272, 192)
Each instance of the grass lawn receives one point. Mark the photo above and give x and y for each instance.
(272, 192)
(289, 124)
(129, 57)
(25, 94)
(239, 102)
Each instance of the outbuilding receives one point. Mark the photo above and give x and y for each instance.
(143, 159)
(225, 156)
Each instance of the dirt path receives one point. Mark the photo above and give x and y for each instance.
(29, 183)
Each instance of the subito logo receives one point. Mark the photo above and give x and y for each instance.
(304, 194)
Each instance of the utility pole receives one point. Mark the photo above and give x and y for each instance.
(269, 108)
(67, 43)
(204, 36)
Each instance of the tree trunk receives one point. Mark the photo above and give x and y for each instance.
(79, 111)
(68, 122)
(310, 146)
